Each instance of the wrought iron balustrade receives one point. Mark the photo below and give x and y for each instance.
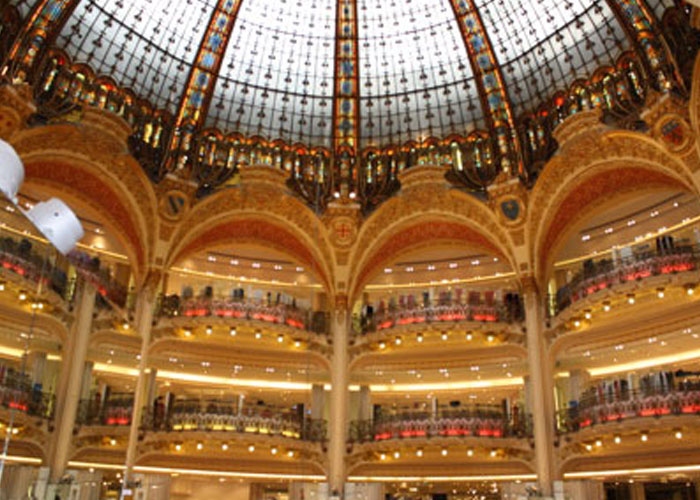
(284, 314)
(445, 311)
(630, 404)
(115, 411)
(479, 421)
(606, 273)
(226, 416)
(19, 396)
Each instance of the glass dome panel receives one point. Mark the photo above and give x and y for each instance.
(276, 79)
(146, 45)
(544, 45)
(415, 76)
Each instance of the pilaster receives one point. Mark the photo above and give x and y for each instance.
(338, 425)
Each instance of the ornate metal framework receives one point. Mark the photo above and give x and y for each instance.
(39, 31)
(185, 150)
(642, 29)
(494, 96)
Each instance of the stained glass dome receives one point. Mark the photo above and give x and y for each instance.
(414, 77)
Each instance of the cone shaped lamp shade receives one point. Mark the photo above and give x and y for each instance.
(57, 223)
(11, 171)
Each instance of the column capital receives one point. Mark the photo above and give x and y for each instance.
(529, 284)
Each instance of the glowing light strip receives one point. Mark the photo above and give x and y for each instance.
(437, 479)
(11, 352)
(243, 279)
(213, 380)
(21, 460)
(302, 386)
(470, 384)
(629, 472)
(646, 363)
(478, 279)
(364, 479)
(199, 472)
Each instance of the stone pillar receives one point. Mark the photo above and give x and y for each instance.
(338, 425)
(542, 393)
(17, 481)
(317, 401)
(584, 490)
(73, 369)
(86, 384)
(152, 388)
(637, 491)
(577, 384)
(365, 407)
(145, 303)
(36, 362)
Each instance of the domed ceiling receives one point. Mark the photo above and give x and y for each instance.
(277, 74)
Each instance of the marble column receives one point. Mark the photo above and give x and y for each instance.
(338, 425)
(317, 401)
(145, 303)
(73, 368)
(36, 362)
(637, 491)
(86, 384)
(541, 387)
(365, 406)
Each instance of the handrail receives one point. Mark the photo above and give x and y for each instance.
(285, 314)
(630, 404)
(445, 311)
(20, 397)
(477, 422)
(604, 274)
(190, 415)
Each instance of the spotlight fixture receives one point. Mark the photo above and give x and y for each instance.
(290, 453)
(469, 337)
(587, 314)
(690, 289)
(258, 335)
(187, 332)
(679, 435)
(382, 345)
(419, 452)
(419, 337)
(224, 446)
(606, 306)
(493, 453)
(232, 332)
(470, 452)
(382, 456)
(443, 452)
(178, 447)
(398, 341)
(598, 443)
(209, 330)
(490, 338)
(273, 450)
(397, 455)
(280, 338)
(444, 336)
(589, 447)
(113, 442)
(200, 446)
(630, 298)
(660, 293)
(251, 448)
(644, 437)
(617, 439)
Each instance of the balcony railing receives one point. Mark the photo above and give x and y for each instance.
(194, 415)
(282, 314)
(18, 257)
(684, 400)
(477, 422)
(225, 416)
(115, 411)
(20, 397)
(445, 311)
(604, 274)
